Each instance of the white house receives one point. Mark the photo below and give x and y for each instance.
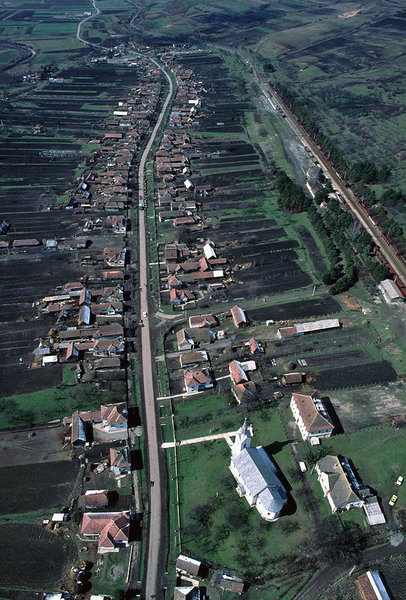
(311, 416)
(256, 476)
(197, 380)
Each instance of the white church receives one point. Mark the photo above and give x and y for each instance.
(256, 476)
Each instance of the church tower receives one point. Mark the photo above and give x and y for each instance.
(242, 438)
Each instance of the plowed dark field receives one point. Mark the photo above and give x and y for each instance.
(39, 486)
(32, 557)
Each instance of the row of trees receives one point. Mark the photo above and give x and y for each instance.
(342, 273)
(291, 195)
(361, 174)
(365, 171)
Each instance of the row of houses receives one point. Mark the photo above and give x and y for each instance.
(88, 329)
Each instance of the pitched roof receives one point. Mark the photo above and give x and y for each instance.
(202, 321)
(119, 457)
(237, 373)
(244, 392)
(258, 474)
(196, 377)
(96, 498)
(111, 528)
(340, 490)
(309, 407)
(371, 586)
(254, 345)
(238, 315)
(112, 414)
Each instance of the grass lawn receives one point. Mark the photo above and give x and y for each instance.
(113, 573)
(54, 403)
(233, 532)
(379, 457)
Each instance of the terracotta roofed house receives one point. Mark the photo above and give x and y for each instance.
(311, 416)
(111, 529)
(244, 392)
(197, 380)
(120, 463)
(237, 373)
(371, 586)
(239, 316)
(202, 321)
(96, 498)
(114, 416)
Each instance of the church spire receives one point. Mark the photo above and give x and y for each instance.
(242, 438)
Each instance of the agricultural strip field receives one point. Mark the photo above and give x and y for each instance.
(36, 169)
(53, 483)
(33, 558)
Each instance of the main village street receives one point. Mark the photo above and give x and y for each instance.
(155, 554)
(155, 557)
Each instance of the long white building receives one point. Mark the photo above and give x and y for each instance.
(256, 476)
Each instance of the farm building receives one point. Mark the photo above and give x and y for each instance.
(228, 582)
(96, 498)
(292, 378)
(336, 485)
(256, 476)
(311, 416)
(371, 586)
(188, 566)
(311, 326)
(111, 529)
(239, 316)
(391, 292)
(209, 251)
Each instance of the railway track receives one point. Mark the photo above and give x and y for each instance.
(388, 251)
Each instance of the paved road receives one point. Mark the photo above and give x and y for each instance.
(93, 3)
(157, 492)
(199, 440)
(397, 264)
(328, 575)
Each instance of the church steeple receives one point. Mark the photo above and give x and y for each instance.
(242, 438)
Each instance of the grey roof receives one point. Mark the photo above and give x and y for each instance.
(340, 489)
(259, 476)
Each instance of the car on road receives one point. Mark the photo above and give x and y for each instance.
(144, 314)
(393, 500)
(399, 480)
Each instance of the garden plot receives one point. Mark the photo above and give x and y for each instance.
(37, 486)
(42, 444)
(33, 558)
(258, 250)
(356, 375)
(314, 307)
